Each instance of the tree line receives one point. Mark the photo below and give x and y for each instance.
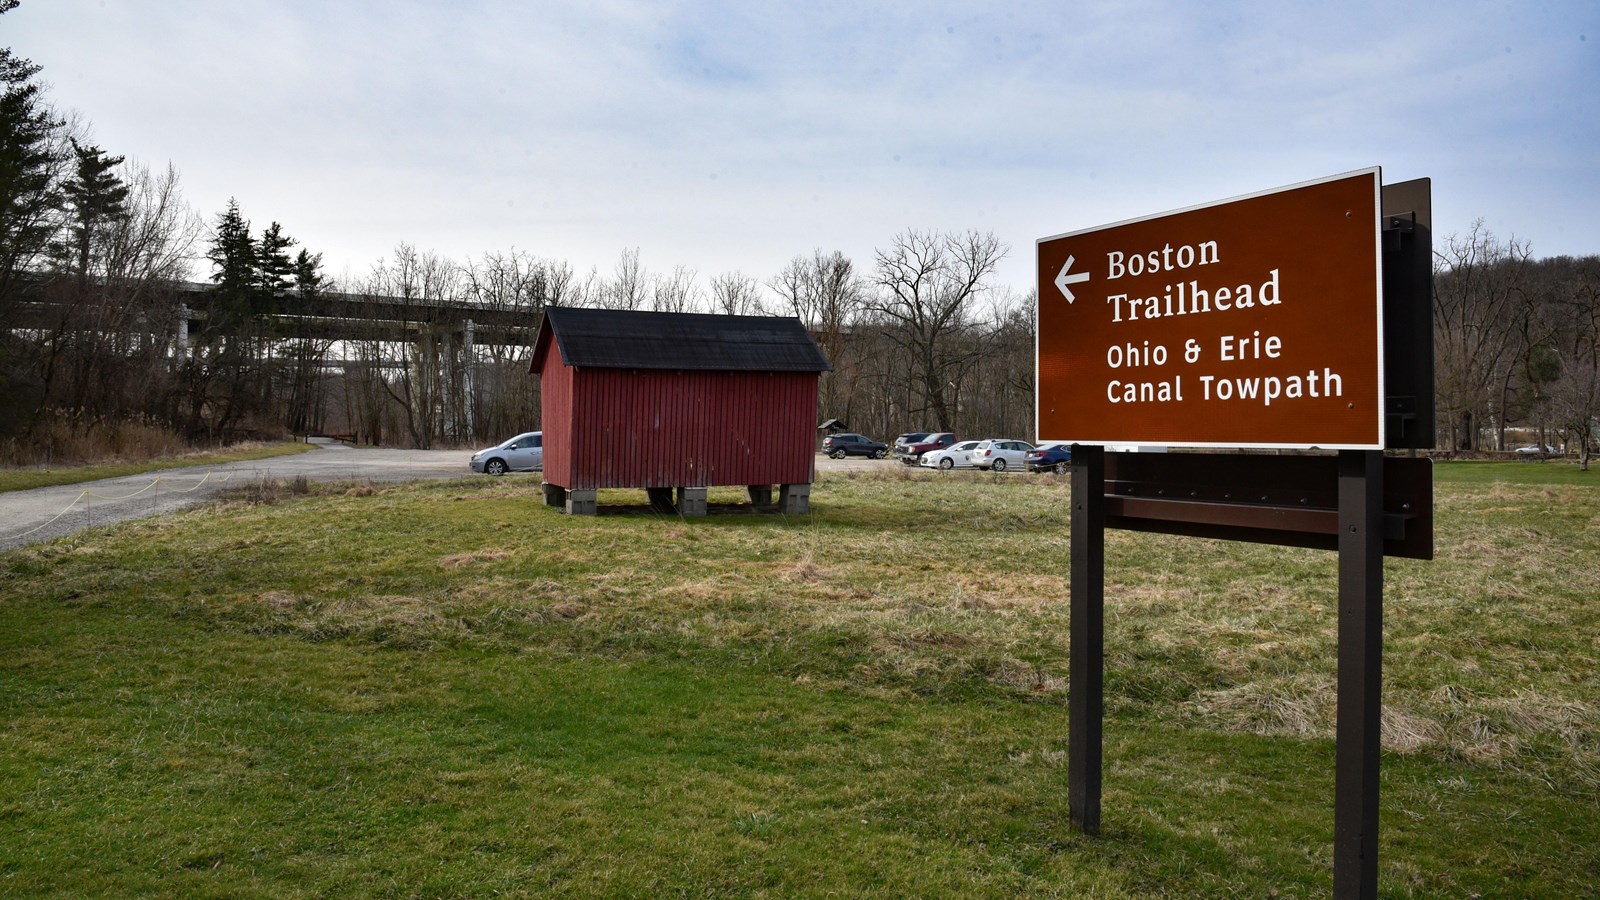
(922, 339)
(103, 327)
(1516, 345)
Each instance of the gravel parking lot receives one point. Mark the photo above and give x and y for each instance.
(28, 517)
(51, 512)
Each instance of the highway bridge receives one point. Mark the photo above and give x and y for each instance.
(329, 316)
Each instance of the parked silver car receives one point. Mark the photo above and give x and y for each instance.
(523, 453)
(1000, 455)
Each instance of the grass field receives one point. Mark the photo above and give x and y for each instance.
(1524, 472)
(446, 688)
(25, 478)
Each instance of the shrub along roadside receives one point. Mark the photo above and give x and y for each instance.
(24, 479)
(448, 688)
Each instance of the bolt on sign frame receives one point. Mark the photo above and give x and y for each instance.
(1298, 318)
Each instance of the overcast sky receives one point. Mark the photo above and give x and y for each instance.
(733, 136)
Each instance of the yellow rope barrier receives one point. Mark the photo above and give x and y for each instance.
(52, 521)
(90, 494)
(195, 487)
(125, 496)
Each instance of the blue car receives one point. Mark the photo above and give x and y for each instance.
(1051, 456)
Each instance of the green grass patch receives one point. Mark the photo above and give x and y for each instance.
(448, 688)
(24, 479)
(1533, 471)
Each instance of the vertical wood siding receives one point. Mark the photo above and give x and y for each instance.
(627, 428)
(555, 420)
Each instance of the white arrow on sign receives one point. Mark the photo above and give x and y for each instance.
(1064, 279)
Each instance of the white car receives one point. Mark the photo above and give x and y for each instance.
(952, 457)
(523, 453)
(1000, 454)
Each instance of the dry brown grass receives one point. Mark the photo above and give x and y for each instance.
(266, 490)
(390, 619)
(75, 444)
(487, 554)
(69, 443)
(803, 569)
(897, 584)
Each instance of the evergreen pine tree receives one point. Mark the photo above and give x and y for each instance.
(309, 282)
(234, 273)
(274, 269)
(233, 254)
(29, 196)
(96, 196)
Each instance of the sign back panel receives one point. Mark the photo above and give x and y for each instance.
(1252, 322)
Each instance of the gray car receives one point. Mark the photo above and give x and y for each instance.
(1000, 455)
(523, 453)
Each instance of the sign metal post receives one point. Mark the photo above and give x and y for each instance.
(1360, 708)
(1086, 638)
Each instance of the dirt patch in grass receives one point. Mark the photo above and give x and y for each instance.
(801, 570)
(488, 554)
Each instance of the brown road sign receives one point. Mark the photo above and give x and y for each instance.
(1252, 322)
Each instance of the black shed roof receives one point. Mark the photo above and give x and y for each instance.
(631, 339)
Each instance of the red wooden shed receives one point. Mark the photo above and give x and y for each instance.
(676, 401)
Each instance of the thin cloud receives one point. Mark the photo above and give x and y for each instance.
(729, 136)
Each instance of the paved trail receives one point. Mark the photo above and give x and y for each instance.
(41, 514)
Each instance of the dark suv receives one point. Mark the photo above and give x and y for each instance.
(839, 446)
(907, 439)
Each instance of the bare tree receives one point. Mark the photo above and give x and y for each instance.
(736, 294)
(592, 291)
(676, 292)
(156, 240)
(420, 360)
(998, 395)
(793, 287)
(1575, 392)
(103, 353)
(147, 254)
(929, 283)
(497, 394)
(1478, 308)
(824, 291)
(562, 286)
(629, 287)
